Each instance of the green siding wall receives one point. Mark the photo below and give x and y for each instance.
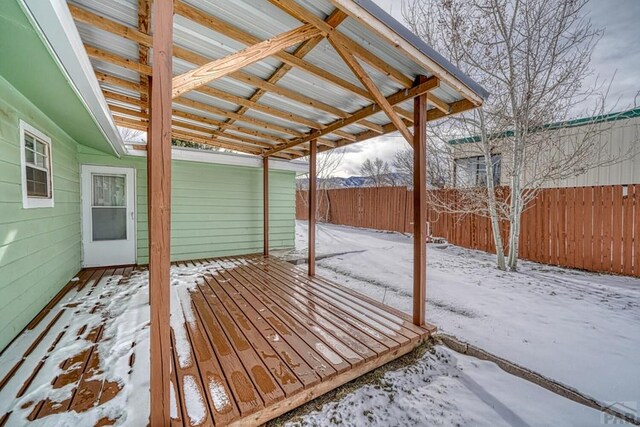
(216, 209)
(39, 248)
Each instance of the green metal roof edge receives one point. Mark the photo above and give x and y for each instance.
(603, 118)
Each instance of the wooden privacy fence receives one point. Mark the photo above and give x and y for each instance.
(590, 228)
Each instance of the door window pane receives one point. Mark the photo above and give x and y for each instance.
(109, 223)
(109, 209)
(109, 190)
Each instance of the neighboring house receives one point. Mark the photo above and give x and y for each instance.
(619, 138)
(90, 226)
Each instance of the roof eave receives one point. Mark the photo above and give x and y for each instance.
(56, 27)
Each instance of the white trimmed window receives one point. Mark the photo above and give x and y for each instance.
(35, 153)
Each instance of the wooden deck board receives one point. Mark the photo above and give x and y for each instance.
(325, 353)
(312, 311)
(372, 338)
(315, 324)
(262, 338)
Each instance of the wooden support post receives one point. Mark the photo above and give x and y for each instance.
(312, 207)
(159, 194)
(419, 205)
(265, 201)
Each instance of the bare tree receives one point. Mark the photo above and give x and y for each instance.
(327, 163)
(438, 166)
(533, 55)
(377, 171)
(132, 135)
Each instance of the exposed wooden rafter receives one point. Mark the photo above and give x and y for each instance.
(355, 49)
(141, 124)
(129, 33)
(333, 20)
(244, 37)
(304, 15)
(224, 66)
(198, 124)
(367, 111)
(362, 75)
(269, 136)
(144, 21)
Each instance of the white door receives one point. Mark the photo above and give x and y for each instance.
(108, 216)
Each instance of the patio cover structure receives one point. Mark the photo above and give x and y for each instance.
(271, 78)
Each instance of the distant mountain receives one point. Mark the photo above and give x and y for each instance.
(392, 179)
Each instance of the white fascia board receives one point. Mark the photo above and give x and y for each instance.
(57, 29)
(233, 159)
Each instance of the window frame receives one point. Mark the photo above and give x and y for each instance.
(30, 202)
(480, 173)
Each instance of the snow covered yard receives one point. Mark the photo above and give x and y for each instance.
(577, 328)
(446, 388)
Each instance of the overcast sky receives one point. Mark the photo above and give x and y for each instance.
(618, 52)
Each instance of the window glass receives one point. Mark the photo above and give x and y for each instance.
(109, 212)
(37, 166)
(36, 182)
(472, 171)
(109, 190)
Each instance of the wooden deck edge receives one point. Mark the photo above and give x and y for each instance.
(282, 407)
(392, 310)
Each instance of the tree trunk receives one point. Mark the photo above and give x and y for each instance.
(515, 213)
(495, 221)
(491, 197)
(514, 237)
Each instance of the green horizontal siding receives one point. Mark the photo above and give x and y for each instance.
(216, 209)
(39, 248)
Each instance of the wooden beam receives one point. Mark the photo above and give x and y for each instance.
(159, 194)
(226, 113)
(144, 40)
(304, 15)
(265, 202)
(333, 20)
(112, 58)
(202, 137)
(110, 95)
(362, 75)
(129, 33)
(405, 48)
(240, 76)
(144, 20)
(176, 132)
(196, 122)
(419, 207)
(367, 111)
(312, 207)
(240, 35)
(224, 66)
(271, 111)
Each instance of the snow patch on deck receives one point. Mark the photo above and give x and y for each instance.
(122, 310)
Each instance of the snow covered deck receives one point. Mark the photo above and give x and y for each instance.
(252, 337)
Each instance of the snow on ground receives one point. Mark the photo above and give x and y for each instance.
(446, 388)
(578, 328)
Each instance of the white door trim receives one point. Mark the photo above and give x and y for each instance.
(109, 252)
